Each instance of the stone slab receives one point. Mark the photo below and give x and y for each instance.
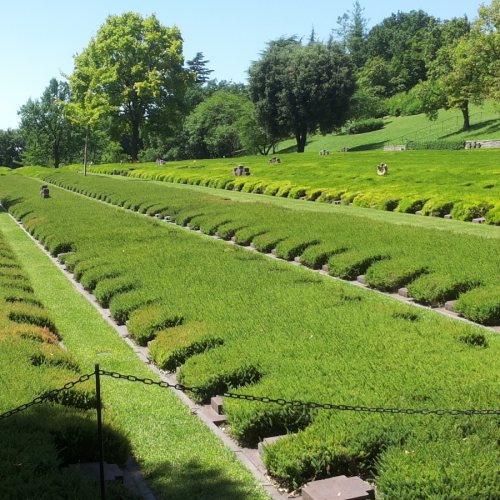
(418, 212)
(351, 204)
(217, 403)
(214, 417)
(403, 292)
(338, 488)
(325, 268)
(361, 278)
(448, 216)
(266, 442)
(479, 220)
(449, 306)
(297, 259)
(373, 207)
(92, 471)
(336, 202)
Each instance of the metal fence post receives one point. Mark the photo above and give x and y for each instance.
(99, 430)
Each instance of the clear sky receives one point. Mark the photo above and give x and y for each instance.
(38, 39)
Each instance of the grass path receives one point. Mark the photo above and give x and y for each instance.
(179, 456)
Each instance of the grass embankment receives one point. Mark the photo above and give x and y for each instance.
(485, 124)
(36, 443)
(433, 181)
(179, 456)
(437, 266)
(289, 334)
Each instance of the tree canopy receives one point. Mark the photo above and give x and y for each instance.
(140, 64)
(298, 90)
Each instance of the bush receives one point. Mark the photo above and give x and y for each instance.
(106, 289)
(293, 247)
(404, 104)
(437, 208)
(468, 211)
(350, 265)
(387, 204)
(363, 126)
(146, 322)
(481, 305)
(172, 347)
(434, 145)
(410, 205)
(493, 216)
(436, 289)
(297, 192)
(389, 275)
(317, 255)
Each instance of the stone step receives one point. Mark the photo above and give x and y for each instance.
(213, 416)
(217, 403)
(92, 471)
(339, 488)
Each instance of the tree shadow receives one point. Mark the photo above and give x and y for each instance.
(196, 481)
(369, 147)
(487, 127)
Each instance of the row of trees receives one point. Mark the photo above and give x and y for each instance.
(131, 96)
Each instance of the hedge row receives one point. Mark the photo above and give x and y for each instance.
(266, 328)
(35, 444)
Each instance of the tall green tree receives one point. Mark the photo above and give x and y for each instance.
(143, 78)
(198, 66)
(299, 90)
(352, 32)
(47, 132)
(12, 146)
(456, 76)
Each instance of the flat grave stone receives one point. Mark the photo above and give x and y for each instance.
(324, 268)
(217, 403)
(373, 207)
(266, 442)
(273, 251)
(449, 306)
(339, 488)
(418, 212)
(448, 216)
(403, 292)
(213, 416)
(297, 259)
(361, 279)
(351, 204)
(479, 220)
(336, 202)
(302, 197)
(92, 471)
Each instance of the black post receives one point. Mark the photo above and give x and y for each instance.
(99, 429)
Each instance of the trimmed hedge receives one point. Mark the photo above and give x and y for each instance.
(481, 305)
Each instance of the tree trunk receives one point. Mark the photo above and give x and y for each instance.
(301, 138)
(465, 112)
(85, 152)
(56, 154)
(135, 140)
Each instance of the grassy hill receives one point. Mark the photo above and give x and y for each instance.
(484, 120)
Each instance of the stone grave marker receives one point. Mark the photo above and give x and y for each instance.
(344, 150)
(240, 170)
(324, 152)
(382, 169)
(339, 488)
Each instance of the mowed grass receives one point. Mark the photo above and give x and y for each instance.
(287, 333)
(179, 456)
(472, 176)
(485, 124)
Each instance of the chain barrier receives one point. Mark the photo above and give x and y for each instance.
(45, 397)
(296, 404)
(246, 397)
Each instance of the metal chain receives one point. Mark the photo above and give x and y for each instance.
(297, 404)
(45, 397)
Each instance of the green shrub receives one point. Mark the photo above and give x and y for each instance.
(24, 313)
(227, 231)
(284, 190)
(389, 275)
(293, 247)
(266, 242)
(436, 289)
(410, 205)
(350, 265)
(146, 322)
(245, 236)
(331, 195)
(363, 126)
(434, 145)
(493, 216)
(468, 211)
(404, 104)
(481, 305)
(297, 192)
(106, 289)
(122, 304)
(93, 276)
(272, 189)
(437, 208)
(387, 204)
(316, 256)
(172, 347)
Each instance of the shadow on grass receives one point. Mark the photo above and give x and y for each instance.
(195, 481)
(369, 147)
(487, 127)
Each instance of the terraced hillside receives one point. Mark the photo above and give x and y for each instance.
(233, 318)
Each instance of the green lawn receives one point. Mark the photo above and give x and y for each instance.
(178, 454)
(284, 332)
(485, 124)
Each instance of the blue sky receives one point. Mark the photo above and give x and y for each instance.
(39, 39)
